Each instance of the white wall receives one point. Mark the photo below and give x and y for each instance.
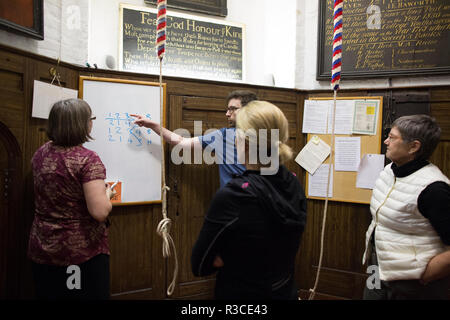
(280, 34)
(269, 52)
(281, 40)
(306, 57)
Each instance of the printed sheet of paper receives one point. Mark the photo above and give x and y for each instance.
(344, 116)
(45, 95)
(365, 117)
(315, 117)
(313, 154)
(369, 169)
(317, 183)
(347, 153)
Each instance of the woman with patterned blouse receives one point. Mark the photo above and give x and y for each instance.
(69, 236)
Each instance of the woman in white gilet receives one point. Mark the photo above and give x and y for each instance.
(409, 236)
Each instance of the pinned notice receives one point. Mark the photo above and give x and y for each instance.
(348, 153)
(315, 116)
(369, 169)
(313, 154)
(45, 95)
(317, 183)
(365, 117)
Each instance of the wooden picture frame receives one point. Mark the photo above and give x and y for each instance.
(218, 44)
(212, 7)
(374, 45)
(25, 17)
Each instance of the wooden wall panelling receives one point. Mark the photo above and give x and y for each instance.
(441, 157)
(12, 105)
(196, 185)
(440, 106)
(342, 275)
(12, 71)
(440, 109)
(199, 88)
(137, 265)
(5, 255)
(10, 206)
(302, 270)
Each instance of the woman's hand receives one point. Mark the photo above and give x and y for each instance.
(110, 193)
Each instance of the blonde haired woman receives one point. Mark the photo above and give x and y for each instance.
(253, 227)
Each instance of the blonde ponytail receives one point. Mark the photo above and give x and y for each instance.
(257, 115)
(285, 152)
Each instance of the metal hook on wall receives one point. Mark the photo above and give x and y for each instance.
(55, 74)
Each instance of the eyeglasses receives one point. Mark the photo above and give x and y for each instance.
(93, 118)
(231, 109)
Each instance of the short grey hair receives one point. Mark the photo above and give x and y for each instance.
(419, 127)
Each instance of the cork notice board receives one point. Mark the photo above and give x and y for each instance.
(344, 182)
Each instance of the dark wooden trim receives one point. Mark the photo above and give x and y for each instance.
(322, 74)
(219, 8)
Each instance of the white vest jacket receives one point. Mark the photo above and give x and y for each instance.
(405, 241)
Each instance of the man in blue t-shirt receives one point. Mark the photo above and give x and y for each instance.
(221, 141)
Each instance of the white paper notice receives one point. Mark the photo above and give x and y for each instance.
(369, 169)
(313, 154)
(315, 117)
(45, 95)
(365, 117)
(344, 116)
(317, 183)
(347, 153)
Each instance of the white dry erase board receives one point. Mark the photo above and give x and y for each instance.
(131, 154)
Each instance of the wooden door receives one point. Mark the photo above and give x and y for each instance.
(192, 188)
(194, 185)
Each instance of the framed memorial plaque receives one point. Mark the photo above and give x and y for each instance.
(387, 38)
(201, 48)
(213, 7)
(25, 17)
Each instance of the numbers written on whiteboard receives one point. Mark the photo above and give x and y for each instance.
(121, 129)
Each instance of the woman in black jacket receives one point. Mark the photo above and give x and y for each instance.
(252, 230)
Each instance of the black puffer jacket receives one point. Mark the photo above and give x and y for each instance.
(255, 225)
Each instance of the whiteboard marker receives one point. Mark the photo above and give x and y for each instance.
(114, 184)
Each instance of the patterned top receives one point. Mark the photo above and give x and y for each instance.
(63, 232)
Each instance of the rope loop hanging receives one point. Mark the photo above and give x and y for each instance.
(336, 66)
(163, 228)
